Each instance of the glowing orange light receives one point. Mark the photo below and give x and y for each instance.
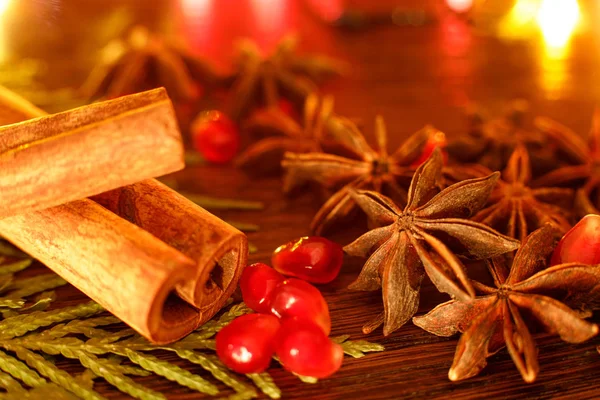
(557, 20)
(272, 20)
(196, 8)
(520, 21)
(459, 6)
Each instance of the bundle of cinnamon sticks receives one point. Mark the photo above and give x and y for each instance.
(76, 192)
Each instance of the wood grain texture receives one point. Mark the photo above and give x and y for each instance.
(54, 159)
(410, 75)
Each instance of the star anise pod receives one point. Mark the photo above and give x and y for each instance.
(586, 173)
(364, 168)
(516, 209)
(490, 142)
(144, 61)
(424, 237)
(263, 79)
(288, 134)
(502, 315)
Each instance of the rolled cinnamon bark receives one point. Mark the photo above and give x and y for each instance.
(218, 249)
(125, 269)
(63, 157)
(63, 237)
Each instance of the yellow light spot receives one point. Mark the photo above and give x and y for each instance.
(4, 6)
(520, 20)
(557, 20)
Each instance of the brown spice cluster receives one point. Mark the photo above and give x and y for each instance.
(428, 218)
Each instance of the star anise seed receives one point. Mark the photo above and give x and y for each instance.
(586, 173)
(263, 79)
(491, 142)
(499, 316)
(145, 61)
(516, 209)
(416, 240)
(364, 168)
(289, 135)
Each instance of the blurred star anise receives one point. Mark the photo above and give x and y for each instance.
(516, 209)
(424, 237)
(364, 168)
(144, 61)
(490, 142)
(526, 293)
(289, 135)
(263, 79)
(586, 173)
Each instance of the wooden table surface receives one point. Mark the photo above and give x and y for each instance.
(412, 75)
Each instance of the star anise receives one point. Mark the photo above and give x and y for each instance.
(289, 135)
(364, 168)
(144, 61)
(262, 79)
(490, 142)
(516, 209)
(424, 237)
(501, 316)
(586, 173)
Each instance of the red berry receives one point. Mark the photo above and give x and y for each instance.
(580, 244)
(297, 298)
(304, 349)
(314, 259)
(246, 345)
(215, 136)
(257, 284)
(287, 108)
(436, 139)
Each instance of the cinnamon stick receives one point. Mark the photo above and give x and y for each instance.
(63, 157)
(125, 269)
(215, 252)
(218, 249)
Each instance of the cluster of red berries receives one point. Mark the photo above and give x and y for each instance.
(292, 317)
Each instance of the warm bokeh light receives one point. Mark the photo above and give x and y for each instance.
(4, 6)
(271, 19)
(519, 22)
(459, 6)
(198, 17)
(557, 20)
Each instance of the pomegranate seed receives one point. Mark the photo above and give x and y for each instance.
(215, 136)
(287, 108)
(246, 344)
(257, 284)
(437, 139)
(314, 259)
(580, 244)
(304, 349)
(297, 298)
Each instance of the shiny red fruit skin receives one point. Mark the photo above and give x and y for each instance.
(297, 298)
(257, 284)
(246, 345)
(437, 139)
(216, 137)
(580, 244)
(304, 349)
(287, 108)
(314, 259)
